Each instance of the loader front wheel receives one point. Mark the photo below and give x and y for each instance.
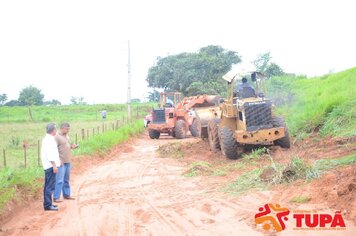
(154, 134)
(213, 135)
(228, 143)
(285, 141)
(180, 129)
(194, 130)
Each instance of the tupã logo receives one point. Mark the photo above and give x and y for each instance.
(272, 215)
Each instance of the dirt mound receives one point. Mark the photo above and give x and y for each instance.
(338, 189)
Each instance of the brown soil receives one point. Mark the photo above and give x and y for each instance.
(133, 192)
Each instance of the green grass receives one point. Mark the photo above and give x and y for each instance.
(103, 142)
(69, 112)
(300, 199)
(326, 104)
(171, 150)
(199, 168)
(15, 179)
(12, 179)
(297, 169)
(14, 133)
(246, 181)
(327, 164)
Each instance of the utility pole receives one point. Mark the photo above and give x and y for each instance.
(129, 82)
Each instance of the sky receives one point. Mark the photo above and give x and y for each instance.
(79, 48)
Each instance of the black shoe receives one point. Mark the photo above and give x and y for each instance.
(51, 208)
(69, 198)
(55, 205)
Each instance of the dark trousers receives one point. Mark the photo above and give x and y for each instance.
(50, 181)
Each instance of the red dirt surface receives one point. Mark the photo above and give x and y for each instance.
(133, 192)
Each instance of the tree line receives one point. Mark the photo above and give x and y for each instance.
(32, 96)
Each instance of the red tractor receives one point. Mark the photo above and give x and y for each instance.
(176, 116)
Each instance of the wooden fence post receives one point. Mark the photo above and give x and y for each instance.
(83, 134)
(117, 125)
(4, 157)
(38, 152)
(76, 138)
(87, 133)
(98, 129)
(25, 156)
(102, 128)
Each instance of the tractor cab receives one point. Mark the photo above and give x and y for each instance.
(168, 102)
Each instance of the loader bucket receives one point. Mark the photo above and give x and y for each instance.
(204, 115)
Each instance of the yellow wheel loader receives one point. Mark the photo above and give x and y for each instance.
(246, 117)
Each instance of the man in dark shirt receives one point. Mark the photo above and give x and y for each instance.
(63, 175)
(245, 89)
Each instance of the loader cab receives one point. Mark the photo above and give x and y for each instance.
(166, 110)
(246, 102)
(248, 85)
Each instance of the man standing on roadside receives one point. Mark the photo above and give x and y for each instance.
(63, 176)
(50, 163)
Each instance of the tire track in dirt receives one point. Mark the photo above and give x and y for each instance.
(158, 212)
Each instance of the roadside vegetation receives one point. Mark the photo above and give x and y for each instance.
(263, 178)
(256, 170)
(324, 107)
(325, 104)
(18, 182)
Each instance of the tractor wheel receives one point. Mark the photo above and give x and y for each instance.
(180, 129)
(213, 135)
(194, 130)
(285, 141)
(154, 134)
(228, 143)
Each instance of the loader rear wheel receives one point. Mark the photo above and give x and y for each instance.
(154, 134)
(180, 129)
(213, 135)
(228, 143)
(194, 130)
(285, 141)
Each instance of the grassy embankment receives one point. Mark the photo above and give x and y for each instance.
(326, 104)
(15, 127)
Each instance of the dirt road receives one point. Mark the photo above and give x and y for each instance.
(136, 193)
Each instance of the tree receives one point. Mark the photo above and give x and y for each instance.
(263, 64)
(204, 68)
(30, 96)
(262, 61)
(135, 100)
(3, 98)
(273, 70)
(77, 101)
(12, 103)
(53, 102)
(153, 96)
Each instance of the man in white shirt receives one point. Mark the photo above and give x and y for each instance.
(50, 162)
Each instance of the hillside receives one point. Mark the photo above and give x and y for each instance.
(325, 104)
